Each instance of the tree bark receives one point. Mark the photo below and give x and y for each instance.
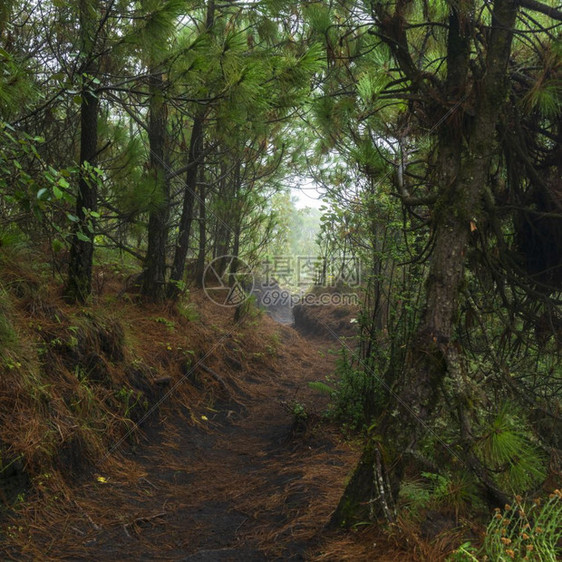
(194, 160)
(79, 283)
(202, 252)
(223, 229)
(154, 277)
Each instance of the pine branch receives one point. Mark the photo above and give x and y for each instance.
(535, 6)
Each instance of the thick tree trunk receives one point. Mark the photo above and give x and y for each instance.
(154, 277)
(432, 355)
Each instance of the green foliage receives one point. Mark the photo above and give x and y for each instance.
(415, 494)
(34, 193)
(322, 387)
(295, 231)
(132, 400)
(248, 310)
(168, 323)
(546, 92)
(520, 532)
(319, 17)
(355, 393)
(506, 447)
(15, 84)
(455, 491)
(156, 21)
(187, 310)
(299, 412)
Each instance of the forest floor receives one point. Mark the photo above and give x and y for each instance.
(252, 472)
(252, 481)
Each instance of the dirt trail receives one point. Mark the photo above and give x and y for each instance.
(242, 483)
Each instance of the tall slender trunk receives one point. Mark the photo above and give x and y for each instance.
(202, 252)
(79, 283)
(221, 250)
(223, 230)
(194, 161)
(237, 215)
(154, 277)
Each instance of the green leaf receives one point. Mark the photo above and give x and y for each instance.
(322, 387)
(81, 236)
(57, 192)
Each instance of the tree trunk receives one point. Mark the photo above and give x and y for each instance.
(194, 163)
(194, 160)
(154, 277)
(432, 355)
(223, 229)
(79, 283)
(237, 214)
(202, 252)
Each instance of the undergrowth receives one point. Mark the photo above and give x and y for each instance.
(355, 391)
(522, 531)
(76, 380)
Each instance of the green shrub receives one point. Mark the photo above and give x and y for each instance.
(356, 393)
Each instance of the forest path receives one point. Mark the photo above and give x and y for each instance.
(245, 482)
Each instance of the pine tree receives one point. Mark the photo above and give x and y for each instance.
(79, 284)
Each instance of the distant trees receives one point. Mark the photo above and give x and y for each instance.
(206, 91)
